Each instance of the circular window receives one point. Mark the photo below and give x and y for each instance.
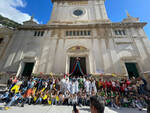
(78, 12)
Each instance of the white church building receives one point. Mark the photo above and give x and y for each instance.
(79, 30)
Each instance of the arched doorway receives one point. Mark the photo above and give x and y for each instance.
(77, 66)
(78, 61)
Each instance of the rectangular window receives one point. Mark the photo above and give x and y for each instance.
(35, 33)
(81, 33)
(123, 31)
(89, 33)
(120, 33)
(70, 33)
(1, 40)
(74, 33)
(39, 33)
(42, 33)
(85, 33)
(116, 32)
(78, 33)
(67, 33)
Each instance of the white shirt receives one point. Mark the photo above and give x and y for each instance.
(86, 85)
(76, 86)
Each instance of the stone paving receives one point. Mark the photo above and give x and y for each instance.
(63, 109)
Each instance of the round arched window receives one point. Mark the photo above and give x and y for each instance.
(78, 12)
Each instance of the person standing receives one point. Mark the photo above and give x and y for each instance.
(87, 85)
(73, 87)
(94, 85)
(76, 86)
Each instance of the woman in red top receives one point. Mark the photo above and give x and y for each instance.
(110, 84)
(104, 85)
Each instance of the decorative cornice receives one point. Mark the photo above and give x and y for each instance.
(71, 0)
(83, 26)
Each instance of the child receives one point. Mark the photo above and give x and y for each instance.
(108, 102)
(61, 98)
(84, 96)
(70, 99)
(125, 102)
(45, 97)
(53, 96)
(117, 101)
(74, 99)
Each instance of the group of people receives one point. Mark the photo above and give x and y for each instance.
(75, 91)
(124, 93)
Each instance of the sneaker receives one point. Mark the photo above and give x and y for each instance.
(140, 109)
(118, 107)
(80, 105)
(22, 105)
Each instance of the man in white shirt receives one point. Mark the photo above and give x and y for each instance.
(87, 85)
(76, 86)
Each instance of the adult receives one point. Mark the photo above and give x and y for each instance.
(73, 87)
(76, 86)
(97, 104)
(87, 85)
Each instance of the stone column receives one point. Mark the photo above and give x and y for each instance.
(67, 63)
(106, 59)
(35, 65)
(20, 69)
(143, 55)
(116, 64)
(97, 55)
(91, 62)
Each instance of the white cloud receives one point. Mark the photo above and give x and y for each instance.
(8, 8)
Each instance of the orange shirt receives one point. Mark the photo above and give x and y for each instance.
(100, 83)
(28, 93)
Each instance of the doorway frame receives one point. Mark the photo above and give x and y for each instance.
(131, 60)
(85, 72)
(25, 67)
(22, 64)
(77, 55)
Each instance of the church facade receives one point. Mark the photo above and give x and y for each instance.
(79, 29)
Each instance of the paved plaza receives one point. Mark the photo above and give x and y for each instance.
(63, 109)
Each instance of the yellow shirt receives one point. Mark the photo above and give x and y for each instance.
(35, 98)
(45, 97)
(16, 88)
(57, 98)
(50, 102)
(34, 90)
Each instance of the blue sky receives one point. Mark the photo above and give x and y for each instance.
(41, 9)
